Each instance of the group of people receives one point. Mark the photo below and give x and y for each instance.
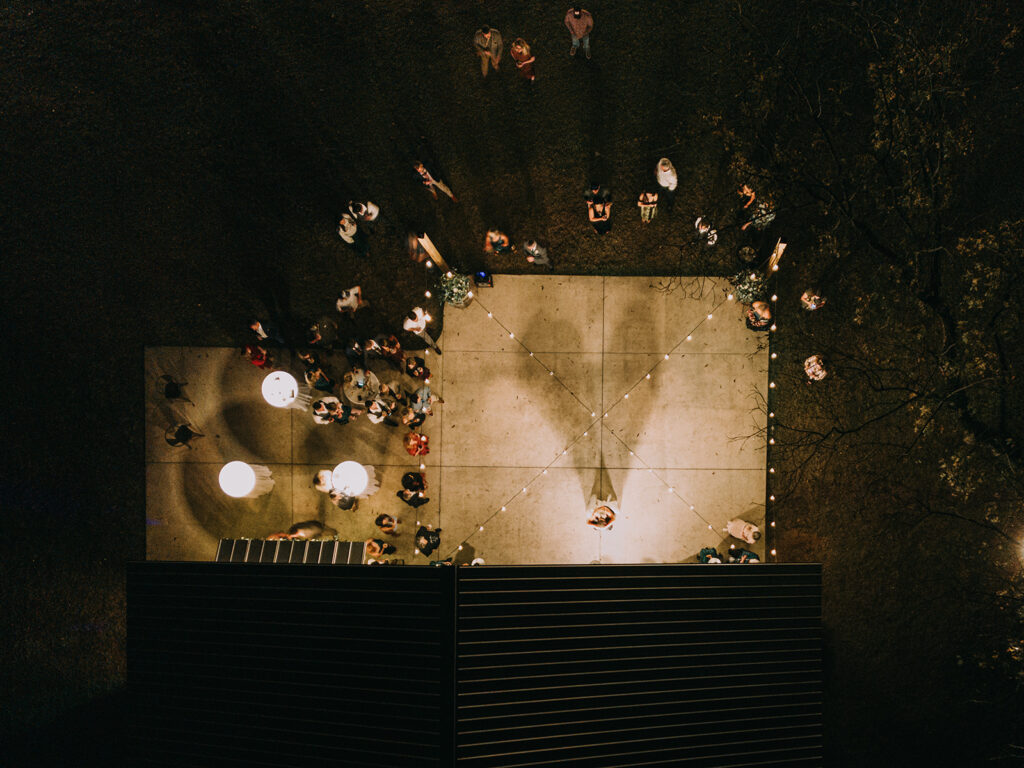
(489, 44)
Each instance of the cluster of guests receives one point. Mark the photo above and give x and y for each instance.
(356, 225)
(746, 532)
(489, 44)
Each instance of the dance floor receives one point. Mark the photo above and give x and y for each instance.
(548, 405)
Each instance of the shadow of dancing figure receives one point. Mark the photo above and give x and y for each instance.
(180, 435)
(172, 390)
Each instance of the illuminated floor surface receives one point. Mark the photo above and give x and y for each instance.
(519, 386)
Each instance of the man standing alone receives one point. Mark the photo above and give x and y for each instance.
(488, 44)
(580, 24)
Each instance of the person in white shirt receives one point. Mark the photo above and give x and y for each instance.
(667, 180)
(741, 529)
(350, 300)
(349, 231)
(416, 322)
(364, 213)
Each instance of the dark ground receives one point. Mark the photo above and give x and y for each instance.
(171, 168)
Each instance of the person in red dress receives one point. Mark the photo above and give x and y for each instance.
(520, 52)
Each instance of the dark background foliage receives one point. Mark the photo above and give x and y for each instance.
(171, 168)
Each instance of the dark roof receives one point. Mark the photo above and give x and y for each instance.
(597, 666)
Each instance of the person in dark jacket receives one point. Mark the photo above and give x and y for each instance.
(427, 540)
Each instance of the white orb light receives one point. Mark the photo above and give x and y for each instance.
(237, 479)
(350, 477)
(280, 389)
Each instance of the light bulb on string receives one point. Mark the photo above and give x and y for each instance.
(772, 523)
(481, 527)
(771, 441)
(771, 385)
(666, 357)
(460, 547)
(773, 327)
(773, 553)
(489, 314)
(429, 263)
(427, 294)
(774, 355)
(647, 376)
(448, 275)
(729, 297)
(710, 315)
(774, 297)
(689, 338)
(771, 414)
(469, 294)
(503, 509)
(771, 470)
(626, 396)
(771, 498)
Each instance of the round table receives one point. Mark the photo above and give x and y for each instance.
(280, 389)
(360, 395)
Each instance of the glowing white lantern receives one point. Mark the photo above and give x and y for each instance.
(280, 389)
(350, 478)
(237, 479)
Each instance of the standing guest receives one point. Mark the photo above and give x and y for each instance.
(258, 356)
(355, 353)
(329, 410)
(489, 45)
(416, 444)
(709, 555)
(815, 369)
(350, 232)
(386, 347)
(427, 539)
(422, 400)
(322, 333)
(363, 213)
(759, 316)
(580, 24)
(521, 55)
(648, 204)
(743, 556)
(600, 217)
(416, 322)
(705, 232)
(387, 524)
(416, 367)
(341, 500)
(315, 375)
(378, 410)
(668, 180)
(536, 253)
(602, 517)
(430, 182)
(413, 498)
(741, 529)
(266, 331)
(378, 547)
(496, 241)
(747, 197)
(414, 481)
(412, 419)
(308, 529)
(812, 299)
(351, 300)
(756, 213)
(323, 481)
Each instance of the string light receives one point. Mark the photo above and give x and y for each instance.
(689, 338)
(771, 414)
(772, 523)
(729, 297)
(646, 377)
(774, 355)
(771, 385)
(428, 318)
(427, 294)
(469, 294)
(710, 315)
(481, 527)
(771, 498)
(448, 275)
(489, 314)
(429, 263)
(773, 553)
(772, 327)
